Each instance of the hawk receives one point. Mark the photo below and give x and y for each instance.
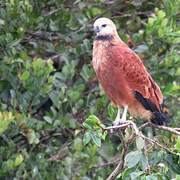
(123, 76)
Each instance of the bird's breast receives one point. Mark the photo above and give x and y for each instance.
(100, 55)
(110, 76)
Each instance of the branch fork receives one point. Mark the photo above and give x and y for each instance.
(138, 132)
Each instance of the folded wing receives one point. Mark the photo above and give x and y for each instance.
(136, 76)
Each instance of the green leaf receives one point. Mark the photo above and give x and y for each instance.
(96, 139)
(161, 14)
(5, 119)
(2, 22)
(87, 125)
(153, 160)
(150, 21)
(143, 162)
(78, 144)
(151, 177)
(178, 144)
(133, 158)
(140, 143)
(177, 177)
(24, 76)
(141, 49)
(134, 175)
(95, 11)
(104, 135)
(10, 164)
(14, 43)
(19, 159)
(86, 138)
(48, 119)
(74, 96)
(32, 138)
(172, 162)
(92, 120)
(127, 172)
(112, 111)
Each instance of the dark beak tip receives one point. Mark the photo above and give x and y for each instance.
(96, 30)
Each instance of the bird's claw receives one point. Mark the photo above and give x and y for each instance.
(117, 122)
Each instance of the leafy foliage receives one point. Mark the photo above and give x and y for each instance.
(52, 110)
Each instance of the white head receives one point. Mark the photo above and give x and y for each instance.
(104, 26)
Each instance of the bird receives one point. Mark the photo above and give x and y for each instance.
(124, 78)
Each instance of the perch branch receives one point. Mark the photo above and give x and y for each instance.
(148, 169)
(137, 132)
(117, 127)
(120, 167)
(165, 128)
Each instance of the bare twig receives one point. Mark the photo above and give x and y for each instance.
(53, 11)
(148, 169)
(61, 154)
(137, 132)
(57, 157)
(117, 127)
(106, 164)
(120, 167)
(38, 34)
(157, 144)
(165, 128)
(54, 57)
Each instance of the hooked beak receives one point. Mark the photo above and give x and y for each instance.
(96, 30)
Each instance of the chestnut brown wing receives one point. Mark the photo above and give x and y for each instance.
(136, 75)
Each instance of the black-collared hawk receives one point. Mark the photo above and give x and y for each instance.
(123, 76)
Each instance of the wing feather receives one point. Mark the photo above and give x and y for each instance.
(136, 75)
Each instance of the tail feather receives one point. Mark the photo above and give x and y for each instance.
(159, 116)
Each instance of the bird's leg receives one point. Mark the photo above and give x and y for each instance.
(123, 119)
(118, 119)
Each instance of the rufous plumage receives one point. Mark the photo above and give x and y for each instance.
(123, 76)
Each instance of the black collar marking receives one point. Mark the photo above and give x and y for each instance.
(104, 38)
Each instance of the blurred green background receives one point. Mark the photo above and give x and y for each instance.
(48, 86)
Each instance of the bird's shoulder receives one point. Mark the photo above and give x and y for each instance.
(129, 63)
(123, 53)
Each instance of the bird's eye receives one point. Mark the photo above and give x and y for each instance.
(104, 25)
